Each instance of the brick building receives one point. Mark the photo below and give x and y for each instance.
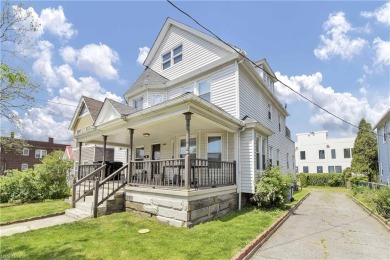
(31, 155)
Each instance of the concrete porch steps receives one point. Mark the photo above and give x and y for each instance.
(84, 209)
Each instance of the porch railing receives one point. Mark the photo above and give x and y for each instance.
(86, 169)
(85, 186)
(108, 187)
(171, 173)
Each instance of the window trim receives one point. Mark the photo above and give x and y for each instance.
(40, 153)
(207, 144)
(349, 152)
(28, 152)
(172, 57)
(141, 99)
(24, 168)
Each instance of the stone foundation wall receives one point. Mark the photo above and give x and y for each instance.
(179, 211)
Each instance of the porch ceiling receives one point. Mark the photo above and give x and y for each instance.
(164, 129)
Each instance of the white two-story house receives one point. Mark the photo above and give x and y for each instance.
(203, 124)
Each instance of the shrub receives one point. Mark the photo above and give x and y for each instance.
(303, 179)
(321, 179)
(272, 189)
(382, 202)
(356, 178)
(47, 182)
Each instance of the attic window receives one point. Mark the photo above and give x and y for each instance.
(172, 57)
(84, 110)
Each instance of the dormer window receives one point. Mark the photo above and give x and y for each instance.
(172, 57)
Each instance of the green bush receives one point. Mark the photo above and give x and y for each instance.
(303, 179)
(48, 181)
(355, 179)
(321, 179)
(382, 202)
(272, 189)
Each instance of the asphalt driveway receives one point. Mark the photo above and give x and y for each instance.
(328, 225)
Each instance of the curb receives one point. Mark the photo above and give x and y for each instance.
(379, 218)
(255, 244)
(31, 219)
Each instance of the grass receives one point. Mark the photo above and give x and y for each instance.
(116, 236)
(12, 212)
(365, 196)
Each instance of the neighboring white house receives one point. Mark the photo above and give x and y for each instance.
(316, 153)
(193, 84)
(383, 131)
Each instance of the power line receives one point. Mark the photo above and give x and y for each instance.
(53, 102)
(257, 66)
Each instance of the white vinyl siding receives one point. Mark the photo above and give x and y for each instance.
(247, 158)
(196, 53)
(120, 155)
(250, 94)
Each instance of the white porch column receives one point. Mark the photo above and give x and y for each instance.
(187, 163)
(79, 166)
(130, 158)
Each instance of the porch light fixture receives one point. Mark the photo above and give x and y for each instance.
(146, 134)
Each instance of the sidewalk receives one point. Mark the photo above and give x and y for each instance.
(9, 230)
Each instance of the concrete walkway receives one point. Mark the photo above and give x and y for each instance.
(35, 224)
(328, 225)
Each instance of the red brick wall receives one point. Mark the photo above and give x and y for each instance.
(12, 160)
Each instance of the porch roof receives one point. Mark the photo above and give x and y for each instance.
(163, 121)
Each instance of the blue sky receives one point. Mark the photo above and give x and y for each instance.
(335, 53)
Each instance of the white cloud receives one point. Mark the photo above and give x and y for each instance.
(95, 58)
(382, 51)
(142, 54)
(363, 91)
(39, 124)
(43, 64)
(55, 22)
(344, 105)
(68, 54)
(382, 14)
(337, 40)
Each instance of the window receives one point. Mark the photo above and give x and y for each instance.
(24, 166)
(288, 164)
(333, 152)
(257, 153)
(138, 103)
(385, 133)
(204, 90)
(319, 169)
(139, 156)
(157, 98)
(214, 150)
(263, 152)
(305, 169)
(26, 152)
(172, 57)
(330, 169)
(321, 154)
(192, 148)
(277, 157)
(40, 153)
(280, 127)
(269, 112)
(347, 152)
(303, 155)
(339, 169)
(270, 155)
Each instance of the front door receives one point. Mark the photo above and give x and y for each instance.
(156, 156)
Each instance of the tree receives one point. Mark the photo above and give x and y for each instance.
(365, 152)
(17, 26)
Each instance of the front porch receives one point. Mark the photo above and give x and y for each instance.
(183, 153)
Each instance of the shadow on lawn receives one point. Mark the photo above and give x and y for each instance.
(27, 252)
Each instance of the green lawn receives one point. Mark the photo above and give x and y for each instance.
(116, 236)
(16, 212)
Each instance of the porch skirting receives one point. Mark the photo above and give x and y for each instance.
(182, 208)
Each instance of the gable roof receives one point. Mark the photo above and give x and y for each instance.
(384, 118)
(264, 63)
(121, 108)
(93, 107)
(148, 77)
(170, 22)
